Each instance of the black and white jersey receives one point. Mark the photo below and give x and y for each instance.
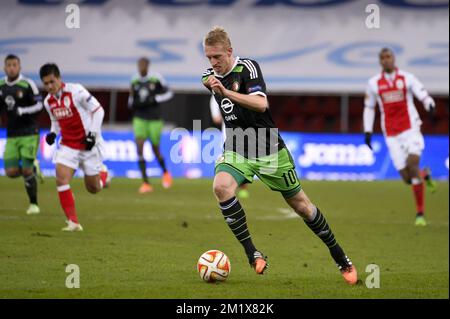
(261, 134)
(22, 102)
(146, 95)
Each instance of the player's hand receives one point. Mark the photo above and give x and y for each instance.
(89, 141)
(206, 84)
(368, 139)
(216, 86)
(50, 138)
(19, 111)
(430, 106)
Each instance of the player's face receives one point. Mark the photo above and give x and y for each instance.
(387, 61)
(52, 84)
(219, 57)
(12, 68)
(143, 67)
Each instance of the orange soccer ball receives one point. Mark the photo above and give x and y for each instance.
(213, 266)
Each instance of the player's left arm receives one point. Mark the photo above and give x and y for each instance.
(255, 87)
(163, 92)
(36, 100)
(91, 104)
(421, 94)
(370, 101)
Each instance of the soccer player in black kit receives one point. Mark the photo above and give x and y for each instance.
(148, 91)
(21, 100)
(254, 147)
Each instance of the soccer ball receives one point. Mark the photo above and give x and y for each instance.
(213, 266)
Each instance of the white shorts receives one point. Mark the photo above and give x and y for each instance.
(90, 162)
(404, 144)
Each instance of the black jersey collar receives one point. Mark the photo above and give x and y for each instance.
(20, 77)
(231, 70)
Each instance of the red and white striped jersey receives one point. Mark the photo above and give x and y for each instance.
(71, 112)
(394, 94)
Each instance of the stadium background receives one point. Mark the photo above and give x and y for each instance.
(316, 79)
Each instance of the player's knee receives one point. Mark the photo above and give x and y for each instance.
(304, 209)
(27, 172)
(13, 172)
(93, 189)
(406, 179)
(223, 190)
(62, 180)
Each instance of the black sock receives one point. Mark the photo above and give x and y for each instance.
(321, 228)
(143, 169)
(162, 164)
(234, 215)
(31, 187)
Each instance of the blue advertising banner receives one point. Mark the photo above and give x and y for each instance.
(317, 156)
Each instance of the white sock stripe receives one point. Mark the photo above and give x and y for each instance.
(236, 222)
(246, 229)
(241, 240)
(30, 177)
(63, 188)
(229, 205)
(227, 216)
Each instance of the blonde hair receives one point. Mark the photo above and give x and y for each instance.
(217, 35)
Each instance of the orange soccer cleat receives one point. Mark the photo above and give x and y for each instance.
(167, 180)
(145, 188)
(350, 275)
(259, 262)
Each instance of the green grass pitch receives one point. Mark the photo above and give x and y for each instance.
(147, 246)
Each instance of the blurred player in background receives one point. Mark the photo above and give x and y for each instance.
(394, 90)
(78, 116)
(239, 88)
(218, 120)
(20, 98)
(148, 90)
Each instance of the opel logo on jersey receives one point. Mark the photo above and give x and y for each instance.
(226, 105)
(10, 102)
(399, 84)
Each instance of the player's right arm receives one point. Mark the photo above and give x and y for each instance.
(215, 112)
(370, 101)
(55, 128)
(253, 82)
(131, 96)
(421, 94)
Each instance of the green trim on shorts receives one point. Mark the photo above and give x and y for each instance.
(238, 176)
(276, 171)
(292, 192)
